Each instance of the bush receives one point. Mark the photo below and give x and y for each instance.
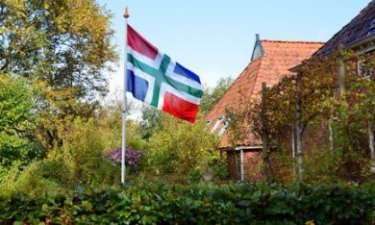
(82, 153)
(78, 162)
(180, 148)
(198, 204)
(38, 178)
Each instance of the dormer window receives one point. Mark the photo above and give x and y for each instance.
(217, 124)
(224, 128)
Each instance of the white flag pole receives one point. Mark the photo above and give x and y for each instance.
(123, 141)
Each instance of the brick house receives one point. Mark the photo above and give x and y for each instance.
(270, 62)
(359, 36)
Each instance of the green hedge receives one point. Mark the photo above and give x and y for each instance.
(197, 204)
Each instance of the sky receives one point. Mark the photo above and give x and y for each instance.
(215, 38)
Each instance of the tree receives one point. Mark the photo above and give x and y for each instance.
(151, 121)
(66, 43)
(213, 95)
(63, 47)
(16, 124)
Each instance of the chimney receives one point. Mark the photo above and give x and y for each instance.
(257, 37)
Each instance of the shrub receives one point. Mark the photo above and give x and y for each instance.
(38, 178)
(77, 163)
(82, 153)
(180, 148)
(198, 204)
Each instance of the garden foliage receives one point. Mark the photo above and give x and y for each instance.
(183, 149)
(197, 204)
(17, 123)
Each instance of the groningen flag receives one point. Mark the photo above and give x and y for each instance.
(152, 77)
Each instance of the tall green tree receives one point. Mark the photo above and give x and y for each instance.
(64, 47)
(16, 124)
(213, 95)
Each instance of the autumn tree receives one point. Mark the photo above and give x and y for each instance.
(64, 48)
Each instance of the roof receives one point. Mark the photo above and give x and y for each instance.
(277, 57)
(361, 28)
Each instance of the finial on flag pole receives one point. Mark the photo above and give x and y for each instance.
(126, 13)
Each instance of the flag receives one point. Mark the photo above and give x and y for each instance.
(154, 78)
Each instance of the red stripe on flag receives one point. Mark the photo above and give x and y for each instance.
(180, 108)
(141, 45)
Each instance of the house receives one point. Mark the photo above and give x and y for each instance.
(270, 62)
(358, 35)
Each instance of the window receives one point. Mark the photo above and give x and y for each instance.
(364, 70)
(217, 124)
(224, 128)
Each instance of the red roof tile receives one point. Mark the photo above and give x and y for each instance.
(278, 57)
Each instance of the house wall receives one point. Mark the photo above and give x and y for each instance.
(316, 136)
(252, 165)
(232, 158)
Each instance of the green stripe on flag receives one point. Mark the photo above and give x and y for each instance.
(164, 64)
(161, 77)
(156, 93)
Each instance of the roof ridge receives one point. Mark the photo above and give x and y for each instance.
(256, 76)
(299, 42)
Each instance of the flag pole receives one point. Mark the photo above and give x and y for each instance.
(123, 140)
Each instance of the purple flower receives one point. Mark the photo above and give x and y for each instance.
(132, 157)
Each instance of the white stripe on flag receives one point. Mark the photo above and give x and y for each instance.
(167, 88)
(146, 60)
(177, 77)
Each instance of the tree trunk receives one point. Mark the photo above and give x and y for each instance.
(341, 73)
(242, 166)
(371, 145)
(371, 142)
(294, 147)
(265, 134)
(298, 130)
(299, 141)
(331, 145)
(340, 94)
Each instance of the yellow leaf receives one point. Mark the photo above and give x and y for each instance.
(310, 222)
